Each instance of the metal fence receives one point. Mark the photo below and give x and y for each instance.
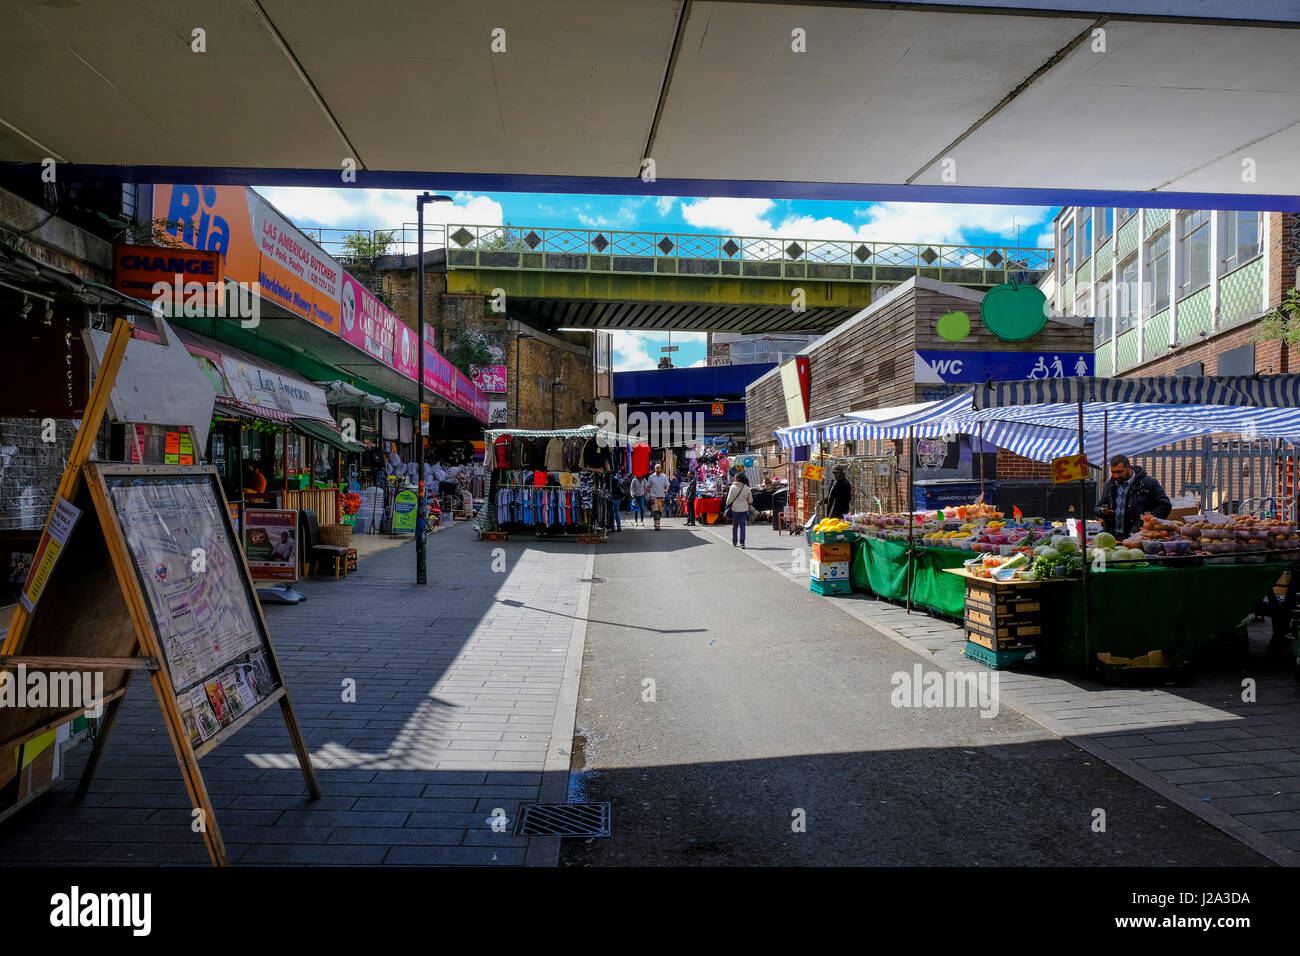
(351, 246)
(755, 257)
(1232, 475)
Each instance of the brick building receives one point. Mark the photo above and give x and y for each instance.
(559, 375)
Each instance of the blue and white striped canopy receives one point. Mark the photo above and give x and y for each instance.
(1040, 419)
(1257, 391)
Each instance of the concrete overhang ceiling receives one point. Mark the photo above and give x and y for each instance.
(711, 90)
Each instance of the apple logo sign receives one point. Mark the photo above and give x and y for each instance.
(349, 306)
(1013, 312)
(953, 326)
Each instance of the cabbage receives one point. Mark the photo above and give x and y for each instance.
(1065, 545)
(1051, 554)
(1105, 540)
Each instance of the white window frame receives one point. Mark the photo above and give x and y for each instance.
(1067, 251)
(1154, 306)
(1102, 311)
(1127, 294)
(1184, 281)
(1105, 213)
(1228, 230)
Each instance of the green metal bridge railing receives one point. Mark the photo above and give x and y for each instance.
(751, 257)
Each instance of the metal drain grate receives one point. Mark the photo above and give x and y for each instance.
(564, 820)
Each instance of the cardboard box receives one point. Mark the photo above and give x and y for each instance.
(828, 571)
(831, 553)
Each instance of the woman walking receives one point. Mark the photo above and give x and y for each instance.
(637, 491)
(739, 499)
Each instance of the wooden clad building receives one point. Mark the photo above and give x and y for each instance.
(869, 361)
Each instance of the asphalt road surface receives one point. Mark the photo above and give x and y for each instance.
(772, 709)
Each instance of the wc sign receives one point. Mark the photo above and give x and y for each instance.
(952, 367)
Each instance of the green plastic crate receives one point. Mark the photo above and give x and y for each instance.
(831, 537)
(828, 588)
(999, 660)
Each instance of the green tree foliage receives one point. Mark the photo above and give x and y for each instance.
(1283, 323)
(367, 246)
(466, 351)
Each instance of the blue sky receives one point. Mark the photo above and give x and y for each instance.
(787, 219)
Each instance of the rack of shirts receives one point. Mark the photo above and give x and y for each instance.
(554, 502)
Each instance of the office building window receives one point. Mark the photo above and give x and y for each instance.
(1067, 250)
(1128, 295)
(1238, 239)
(1157, 253)
(1105, 218)
(1125, 213)
(1102, 331)
(1193, 250)
(1083, 233)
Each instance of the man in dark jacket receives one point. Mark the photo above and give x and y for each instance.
(840, 497)
(691, 488)
(1127, 496)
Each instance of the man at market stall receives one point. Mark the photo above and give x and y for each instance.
(840, 497)
(1127, 496)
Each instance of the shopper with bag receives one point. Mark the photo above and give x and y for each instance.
(637, 490)
(617, 491)
(739, 500)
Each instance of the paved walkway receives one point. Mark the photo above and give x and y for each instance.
(458, 695)
(731, 719)
(1235, 765)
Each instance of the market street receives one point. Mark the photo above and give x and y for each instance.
(768, 701)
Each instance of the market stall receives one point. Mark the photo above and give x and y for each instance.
(1174, 587)
(551, 483)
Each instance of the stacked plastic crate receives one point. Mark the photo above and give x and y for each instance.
(829, 567)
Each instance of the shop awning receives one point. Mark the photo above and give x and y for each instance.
(1047, 430)
(330, 436)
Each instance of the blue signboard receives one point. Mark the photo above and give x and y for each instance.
(943, 366)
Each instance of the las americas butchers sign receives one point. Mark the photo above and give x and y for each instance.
(263, 251)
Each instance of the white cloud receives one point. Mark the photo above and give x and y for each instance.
(904, 222)
(697, 364)
(665, 204)
(1048, 239)
(624, 216)
(635, 350)
(368, 209)
(741, 217)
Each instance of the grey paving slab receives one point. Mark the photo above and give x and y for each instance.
(457, 701)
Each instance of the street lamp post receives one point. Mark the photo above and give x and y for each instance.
(421, 526)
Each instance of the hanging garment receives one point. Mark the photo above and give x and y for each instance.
(568, 479)
(539, 478)
(640, 459)
(516, 452)
(586, 486)
(593, 454)
(555, 454)
(501, 449)
(572, 453)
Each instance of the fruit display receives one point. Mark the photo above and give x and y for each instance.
(832, 524)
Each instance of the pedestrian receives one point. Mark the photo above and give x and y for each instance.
(657, 487)
(692, 488)
(674, 492)
(616, 493)
(1127, 495)
(839, 499)
(637, 490)
(739, 500)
